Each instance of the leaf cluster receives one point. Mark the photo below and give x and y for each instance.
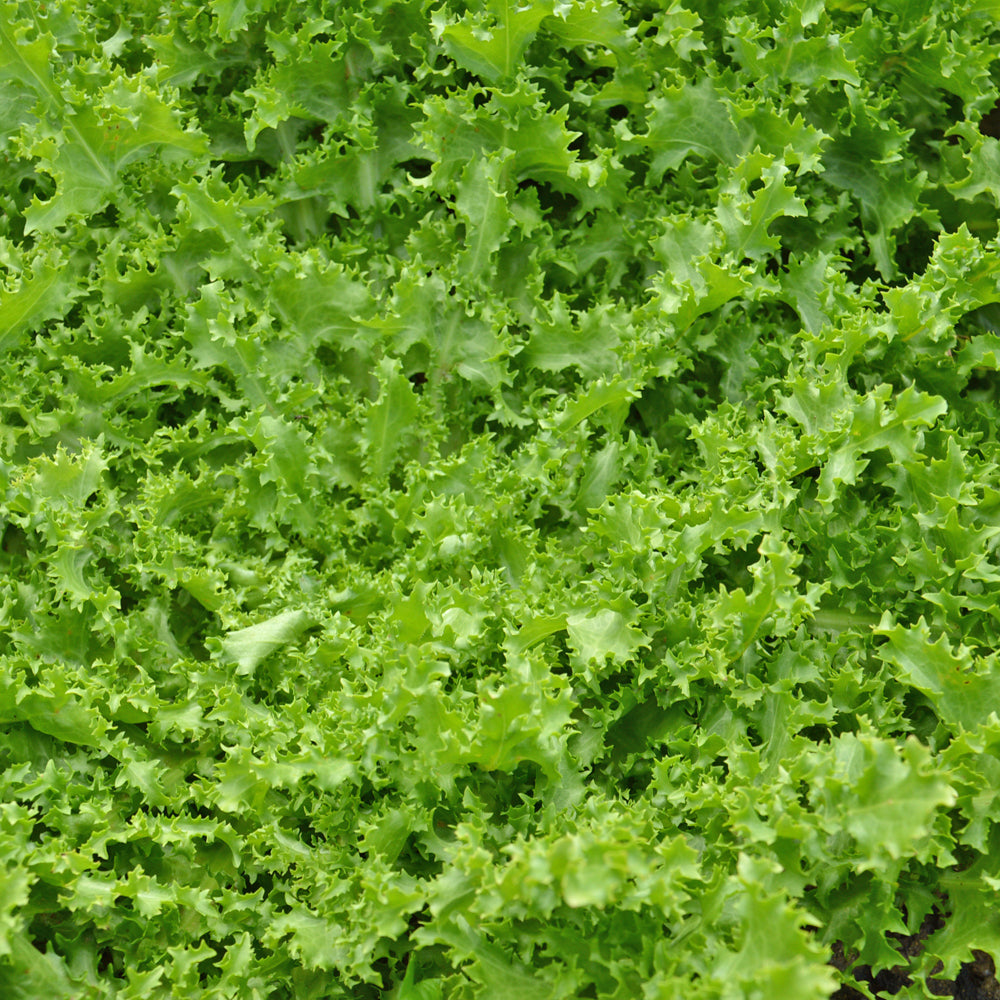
(496, 500)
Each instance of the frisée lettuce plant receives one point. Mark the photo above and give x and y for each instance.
(498, 500)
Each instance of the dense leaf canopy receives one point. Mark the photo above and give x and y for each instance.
(497, 501)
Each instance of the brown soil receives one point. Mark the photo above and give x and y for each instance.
(976, 980)
(990, 125)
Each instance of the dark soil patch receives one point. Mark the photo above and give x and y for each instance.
(976, 980)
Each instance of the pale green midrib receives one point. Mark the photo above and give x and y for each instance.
(57, 100)
(8, 337)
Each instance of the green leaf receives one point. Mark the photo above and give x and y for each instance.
(744, 219)
(319, 302)
(693, 284)
(482, 203)
(963, 694)
(44, 294)
(250, 646)
(533, 632)
(232, 16)
(27, 62)
(390, 421)
(61, 714)
(27, 972)
(68, 481)
(597, 635)
(983, 163)
(317, 84)
(98, 143)
(493, 44)
(885, 797)
(426, 989)
(773, 597)
(866, 160)
(774, 953)
(973, 925)
(312, 940)
(563, 339)
(691, 120)
(585, 22)
(522, 718)
(612, 396)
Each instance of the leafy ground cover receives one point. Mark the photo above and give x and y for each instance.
(499, 501)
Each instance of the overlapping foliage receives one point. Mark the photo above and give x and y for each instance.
(498, 501)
